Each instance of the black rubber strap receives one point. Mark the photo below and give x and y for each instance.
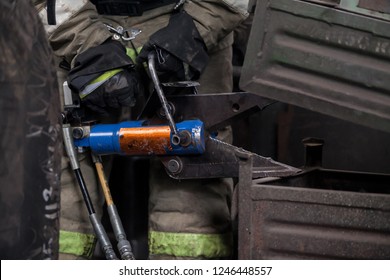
(128, 7)
(51, 12)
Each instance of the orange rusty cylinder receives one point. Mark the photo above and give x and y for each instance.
(145, 140)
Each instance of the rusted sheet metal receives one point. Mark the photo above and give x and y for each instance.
(382, 6)
(321, 58)
(325, 2)
(217, 110)
(319, 214)
(373, 8)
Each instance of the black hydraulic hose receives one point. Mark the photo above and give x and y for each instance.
(84, 191)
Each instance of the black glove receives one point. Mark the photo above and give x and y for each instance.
(105, 78)
(175, 44)
(118, 91)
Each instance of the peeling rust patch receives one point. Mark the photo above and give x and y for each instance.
(145, 141)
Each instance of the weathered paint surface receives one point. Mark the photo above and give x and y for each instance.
(321, 58)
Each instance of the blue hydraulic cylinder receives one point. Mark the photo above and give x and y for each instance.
(138, 138)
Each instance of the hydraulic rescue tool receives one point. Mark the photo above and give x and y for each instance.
(182, 136)
(140, 138)
(97, 225)
(123, 245)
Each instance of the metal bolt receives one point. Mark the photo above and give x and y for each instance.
(185, 138)
(78, 132)
(174, 166)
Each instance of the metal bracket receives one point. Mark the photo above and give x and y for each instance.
(123, 34)
(221, 160)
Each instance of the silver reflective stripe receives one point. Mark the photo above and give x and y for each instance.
(98, 82)
(65, 9)
(90, 88)
(240, 5)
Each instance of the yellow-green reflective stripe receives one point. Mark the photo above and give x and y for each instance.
(194, 245)
(133, 53)
(106, 75)
(76, 243)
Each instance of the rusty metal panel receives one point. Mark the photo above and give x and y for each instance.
(319, 214)
(324, 59)
(382, 6)
(325, 2)
(373, 8)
